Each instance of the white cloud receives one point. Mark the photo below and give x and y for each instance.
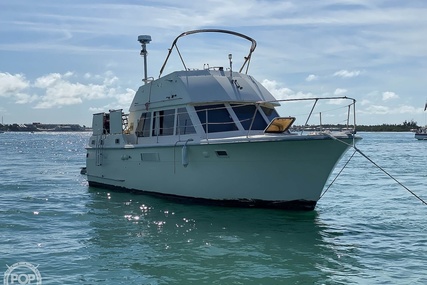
(386, 110)
(311, 77)
(15, 87)
(365, 102)
(47, 80)
(376, 109)
(60, 92)
(56, 90)
(110, 80)
(281, 93)
(388, 95)
(123, 100)
(340, 91)
(12, 85)
(405, 109)
(23, 98)
(278, 92)
(347, 74)
(126, 98)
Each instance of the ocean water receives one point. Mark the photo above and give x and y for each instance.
(366, 229)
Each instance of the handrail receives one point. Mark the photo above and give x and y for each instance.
(315, 99)
(252, 120)
(317, 128)
(247, 58)
(311, 112)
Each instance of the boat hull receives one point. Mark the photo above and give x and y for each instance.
(421, 136)
(286, 174)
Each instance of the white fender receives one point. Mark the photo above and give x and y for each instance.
(184, 153)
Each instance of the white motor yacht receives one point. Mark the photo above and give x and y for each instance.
(213, 135)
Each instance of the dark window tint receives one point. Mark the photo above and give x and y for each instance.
(271, 113)
(185, 126)
(163, 123)
(215, 118)
(246, 114)
(143, 128)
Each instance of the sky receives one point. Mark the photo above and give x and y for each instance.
(62, 61)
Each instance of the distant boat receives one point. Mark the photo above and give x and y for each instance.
(213, 135)
(421, 133)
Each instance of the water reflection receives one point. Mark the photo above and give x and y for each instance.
(161, 242)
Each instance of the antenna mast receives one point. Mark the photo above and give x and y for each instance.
(144, 40)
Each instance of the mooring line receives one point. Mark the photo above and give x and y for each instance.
(379, 167)
(365, 156)
(336, 177)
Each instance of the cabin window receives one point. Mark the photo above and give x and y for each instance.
(106, 124)
(271, 113)
(143, 128)
(163, 123)
(215, 118)
(184, 124)
(246, 113)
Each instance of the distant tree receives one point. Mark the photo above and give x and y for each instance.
(411, 124)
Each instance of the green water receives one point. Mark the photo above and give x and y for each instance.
(367, 229)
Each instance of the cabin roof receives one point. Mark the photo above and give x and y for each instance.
(200, 86)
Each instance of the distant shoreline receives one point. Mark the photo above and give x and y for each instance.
(38, 127)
